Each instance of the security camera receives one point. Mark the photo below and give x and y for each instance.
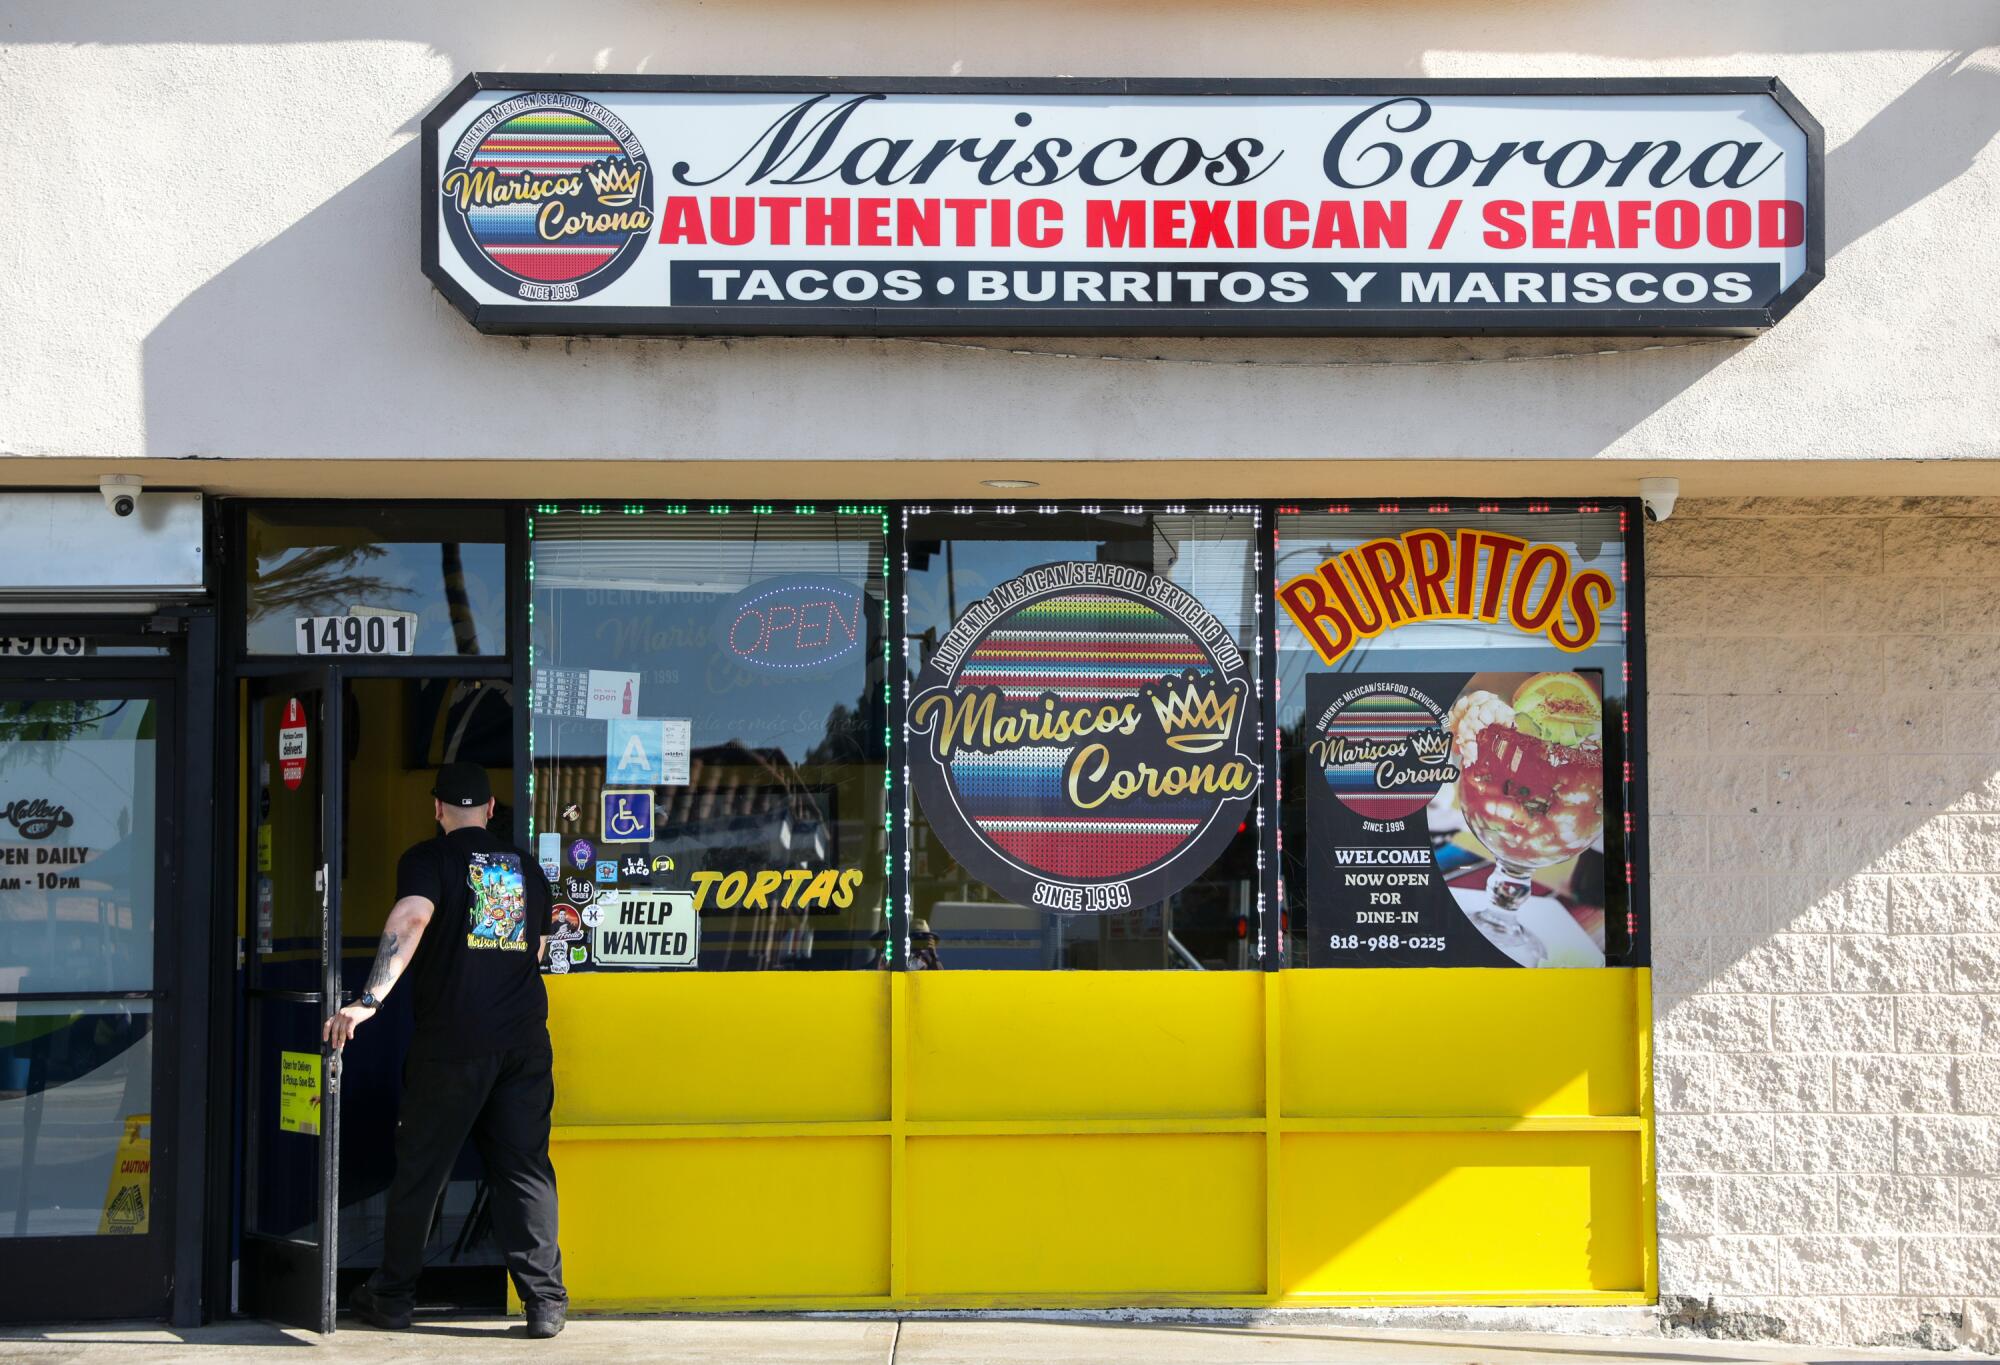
(121, 493)
(1659, 497)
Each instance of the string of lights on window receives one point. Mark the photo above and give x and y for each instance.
(718, 509)
(1264, 674)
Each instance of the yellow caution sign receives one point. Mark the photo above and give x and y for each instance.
(298, 1092)
(128, 1198)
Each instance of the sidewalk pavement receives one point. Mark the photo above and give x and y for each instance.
(887, 1341)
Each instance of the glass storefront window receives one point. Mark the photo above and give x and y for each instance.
(1083, 737)
(1084, 776)
(1453, 700)
(77, 858)
(377, 580)
(76, 1100)
(710, 785)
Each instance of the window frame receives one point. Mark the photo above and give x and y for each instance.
(1638, 877)
(514, 663)
(236, 594)
(1258, 646)
(895, 887)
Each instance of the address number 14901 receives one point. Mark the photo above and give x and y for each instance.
(355, 634)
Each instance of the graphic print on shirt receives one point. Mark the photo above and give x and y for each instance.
(498, 916)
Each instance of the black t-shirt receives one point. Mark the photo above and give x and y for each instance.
(476, 975)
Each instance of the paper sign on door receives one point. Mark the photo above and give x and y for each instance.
(292, 745)
(298, 1092)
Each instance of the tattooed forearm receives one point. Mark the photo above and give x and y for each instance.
(400, 934)
(383, 975)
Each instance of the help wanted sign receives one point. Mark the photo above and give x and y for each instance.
(648, 929)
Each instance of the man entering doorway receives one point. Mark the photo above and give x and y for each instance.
(470, 924)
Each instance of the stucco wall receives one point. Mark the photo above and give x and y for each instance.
(212, 245)
(1825, 750)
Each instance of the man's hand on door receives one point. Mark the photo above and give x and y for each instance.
(341, 1027)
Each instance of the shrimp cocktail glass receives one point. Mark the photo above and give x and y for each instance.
(1531, 785)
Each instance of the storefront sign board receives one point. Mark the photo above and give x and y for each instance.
(631, 204)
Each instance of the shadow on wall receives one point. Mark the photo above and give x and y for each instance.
(1825, 784)
(1819, 673)
(331, 318)
(1920, 142)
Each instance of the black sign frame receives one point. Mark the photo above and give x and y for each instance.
(863, 320)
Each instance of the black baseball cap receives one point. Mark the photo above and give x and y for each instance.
(463, 784)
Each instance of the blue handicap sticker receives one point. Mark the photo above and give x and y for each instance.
(628, 817)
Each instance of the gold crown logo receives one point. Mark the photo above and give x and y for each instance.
(1432, 745)
(616, 182)
(1197, 718)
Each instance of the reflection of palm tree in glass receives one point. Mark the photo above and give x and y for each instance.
(319, 578)
(32, 729)
(464, 630)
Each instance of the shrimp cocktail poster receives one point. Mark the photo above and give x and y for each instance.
(1456, 819)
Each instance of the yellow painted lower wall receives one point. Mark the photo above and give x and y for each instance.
(1152, 1217)
(1488, 1213)
(727, 1218)
(1013, 1138)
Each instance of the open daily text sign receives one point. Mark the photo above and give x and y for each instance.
(601, 204)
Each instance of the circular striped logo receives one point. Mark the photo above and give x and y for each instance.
(1078, 738)
(548, 196)
(1383, 751)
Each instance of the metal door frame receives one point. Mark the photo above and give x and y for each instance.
(73, 1277)
(289, 1257)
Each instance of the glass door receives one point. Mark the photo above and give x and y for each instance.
(292, 959)
(81, 996)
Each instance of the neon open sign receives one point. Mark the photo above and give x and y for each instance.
(793, 623)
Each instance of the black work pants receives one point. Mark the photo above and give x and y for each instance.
(502, 1101)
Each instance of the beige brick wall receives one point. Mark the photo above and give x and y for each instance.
(1825, 780)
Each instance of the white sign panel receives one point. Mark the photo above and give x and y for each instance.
(648, 929)
(635, 204)
(677, 750)
(42, 646)
(611, 695)
(364, 632)
(69, 545)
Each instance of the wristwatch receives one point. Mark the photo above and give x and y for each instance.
(368, 1001)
